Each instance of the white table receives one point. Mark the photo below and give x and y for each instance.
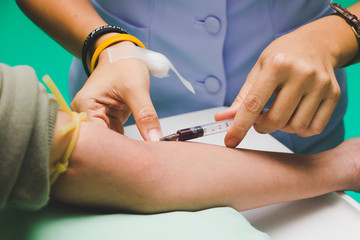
(331, 216)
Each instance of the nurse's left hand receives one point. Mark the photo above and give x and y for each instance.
(300, 72)
(116, 89)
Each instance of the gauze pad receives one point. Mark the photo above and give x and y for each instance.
(158, 64)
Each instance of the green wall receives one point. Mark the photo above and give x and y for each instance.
(22, 42)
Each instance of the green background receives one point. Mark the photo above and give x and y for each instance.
(22, 42)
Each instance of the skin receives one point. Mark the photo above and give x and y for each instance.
(115, 172)
(298, 66)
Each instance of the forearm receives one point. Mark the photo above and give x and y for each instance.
(67, 21)
(110, 170)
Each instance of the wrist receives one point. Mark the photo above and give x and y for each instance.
(344, 46)
(104, 57)
(91, 43)
(334, 38)
(341, 172)
(98, 42)
(354, 23)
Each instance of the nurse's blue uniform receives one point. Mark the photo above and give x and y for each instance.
(214, 45)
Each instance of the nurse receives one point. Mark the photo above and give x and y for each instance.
(275, 63)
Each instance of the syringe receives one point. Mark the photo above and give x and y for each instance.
(198, 131)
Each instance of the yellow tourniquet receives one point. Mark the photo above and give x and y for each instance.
(77, 118)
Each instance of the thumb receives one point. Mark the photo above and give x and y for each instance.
(232, 110)
(96, 112)
(100, 121)
(145, 116)
(229, 112)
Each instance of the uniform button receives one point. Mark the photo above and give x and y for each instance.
(212, 24)
(212, 84)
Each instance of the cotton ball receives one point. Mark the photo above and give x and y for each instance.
(158, 64)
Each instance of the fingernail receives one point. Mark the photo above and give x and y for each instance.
(232, 142)
(154, 135)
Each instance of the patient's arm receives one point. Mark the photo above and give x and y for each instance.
(110, 170)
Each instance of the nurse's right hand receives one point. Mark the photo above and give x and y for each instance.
(116, 89)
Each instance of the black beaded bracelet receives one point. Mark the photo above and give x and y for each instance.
(92, 37)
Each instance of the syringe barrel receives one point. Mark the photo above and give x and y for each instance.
(190, 133)
(216, 127)
(203, 130)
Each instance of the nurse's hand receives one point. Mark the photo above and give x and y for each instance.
(300, 71)
(114, 90)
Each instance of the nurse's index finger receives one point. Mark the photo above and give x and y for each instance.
(145, 115)
(249, 110)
